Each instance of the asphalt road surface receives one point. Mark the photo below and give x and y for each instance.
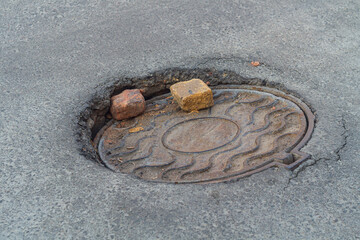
(56, 54)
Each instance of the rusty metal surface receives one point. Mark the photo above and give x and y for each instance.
(248, 130)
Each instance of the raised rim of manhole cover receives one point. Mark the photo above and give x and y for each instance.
(249, 129)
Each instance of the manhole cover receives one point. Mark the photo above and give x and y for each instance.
(248, 130)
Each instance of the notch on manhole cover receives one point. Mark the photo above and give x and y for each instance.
(249, 129)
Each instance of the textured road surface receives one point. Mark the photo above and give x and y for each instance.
(56, 54)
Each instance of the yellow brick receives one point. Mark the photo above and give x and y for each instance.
(192, 95)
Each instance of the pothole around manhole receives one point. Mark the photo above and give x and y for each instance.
(250, 128)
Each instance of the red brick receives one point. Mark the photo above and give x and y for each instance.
(128, 104)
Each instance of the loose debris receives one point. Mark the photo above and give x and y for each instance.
(129, 103)
(192, 95)
(136, 129)
(255, 63)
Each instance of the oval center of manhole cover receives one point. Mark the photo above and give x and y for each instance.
(248, 129)
(200, 135)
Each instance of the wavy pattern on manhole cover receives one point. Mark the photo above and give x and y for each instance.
(248, 130)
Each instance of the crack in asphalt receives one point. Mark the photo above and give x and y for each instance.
(243, 60)
(337, 154)
(229, 58)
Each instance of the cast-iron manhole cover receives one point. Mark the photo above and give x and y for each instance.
(248, 130)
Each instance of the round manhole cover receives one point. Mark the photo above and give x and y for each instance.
(247, 130)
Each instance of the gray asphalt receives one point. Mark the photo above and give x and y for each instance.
(56, 54)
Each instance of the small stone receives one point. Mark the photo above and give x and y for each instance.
(192, 95)
(255, 63)
(90, 123)
(128, 104)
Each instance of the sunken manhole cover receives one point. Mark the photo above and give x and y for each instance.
(249, 129)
